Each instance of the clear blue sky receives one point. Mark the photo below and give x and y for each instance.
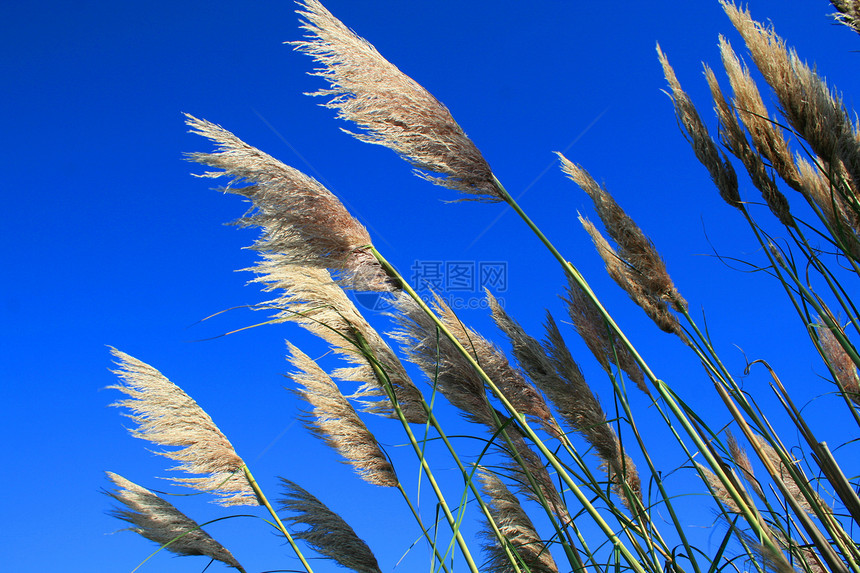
(107, 240)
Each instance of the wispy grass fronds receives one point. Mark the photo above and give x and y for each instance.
(333, 419)
(784, 474)
(771, 560)
(840, 363)
(308, 296)
(529, 353)
(735, 140)
(849, 13)
(767, 136)
(391, 108)
(558, 376)
(720, 493)
(626, 277)
(523, 395)
(167, 416)
(635, 250)
(805, 99)
(530, 474)
(740, 457)
(326, 531)
(451, 372)
(456, 379)
(159, 521)
(601, 341)
(518, 530)
(578, 405)
(301, 219)
(718, 166)
(839, 216)
(448, 371)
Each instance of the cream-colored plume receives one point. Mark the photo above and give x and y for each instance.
(333, 419)
(518, 529)
(812, 108)
(157, 520)
(327, 532)
(849, 13)
(301, 220)
(309, 297)
(601, 341)
(840, 363)
(735, 139)
(391, 108)
(579, 406)
(167, 416)
(718, 166)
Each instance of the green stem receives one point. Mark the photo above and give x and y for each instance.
(661, 387)
(613, 538)
(423, 529)
(261, 497)
(452, 522)
(382, 376)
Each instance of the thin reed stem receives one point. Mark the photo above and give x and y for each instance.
(612, 537)
(424, 530)
(265, 502)
(433, 422)
(661, 387)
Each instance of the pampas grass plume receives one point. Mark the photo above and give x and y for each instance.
(391, 108)
(158, 520)
(165, 415)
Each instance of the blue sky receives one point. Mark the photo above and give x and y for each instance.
(107, 240)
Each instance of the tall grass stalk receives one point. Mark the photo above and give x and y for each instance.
(539, 495)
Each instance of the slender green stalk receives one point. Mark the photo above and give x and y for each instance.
(432, 421)
(262, 499)
(424, 531)
(520, 418)
(660, 386)
(452, 521)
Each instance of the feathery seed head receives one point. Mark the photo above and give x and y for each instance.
(636, 252)
(523, 464)
(721, 171)
(791, 486)
(740, 457)
(602, 343)
(167, 416)
(158, 520)
(735, 140)
(449, 372)
(719, 490)
(456, 379)
(517, 528)
(301, 220)
(309, 296)
(842, 220)
(579, 406)
(631, 281)
(765, 450)
(391, 108)
(807, 102)
(333, 419)
(530, 355)
(528, 352)
(849, 13)
(841, 364)
(522, 395)
(327, 532)
(767, 136)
